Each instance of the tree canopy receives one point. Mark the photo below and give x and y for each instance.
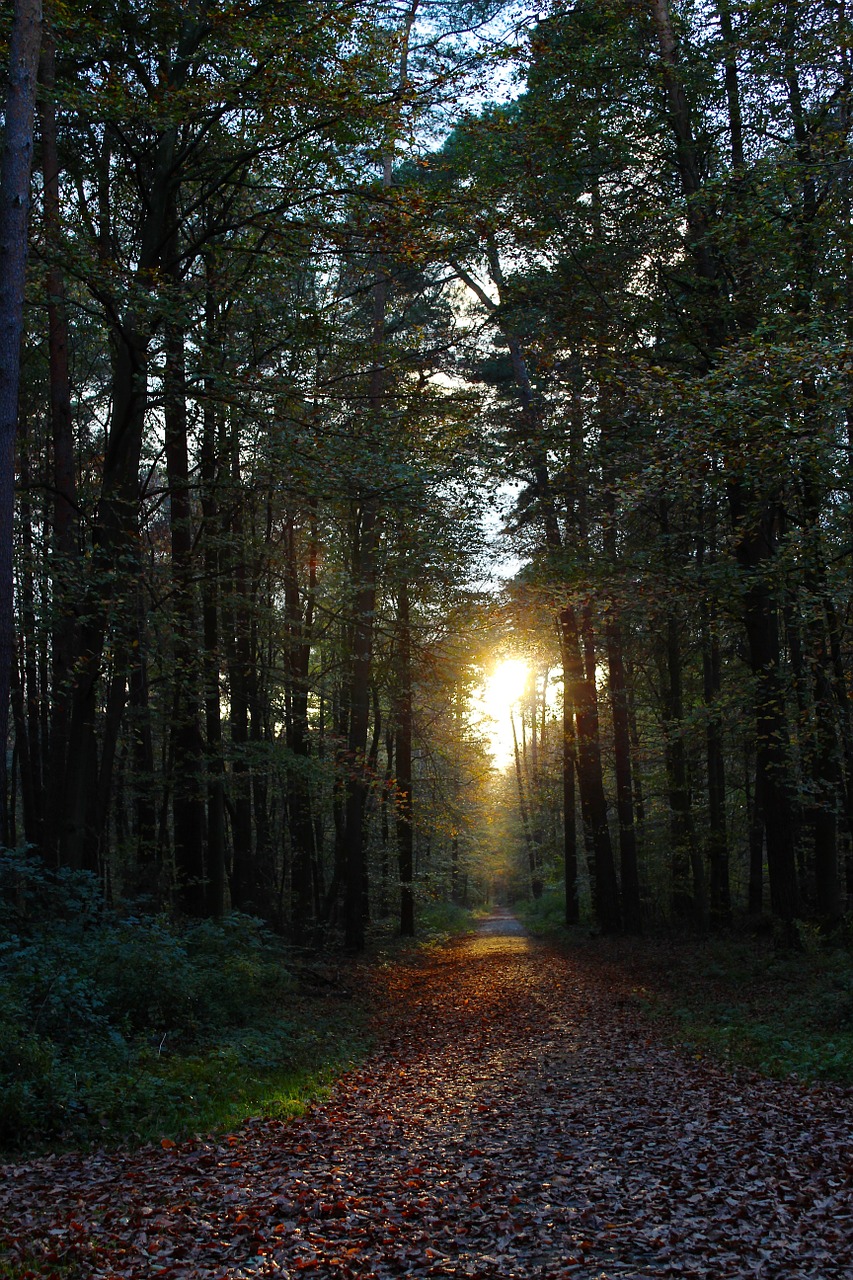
(311, 293)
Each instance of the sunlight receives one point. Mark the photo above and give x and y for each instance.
(501, 692)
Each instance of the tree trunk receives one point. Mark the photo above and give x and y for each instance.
(535, 882)
(590, 777)
(188, 810)
(211, 662)
(403, 753)
(237, 632)
(628, 861)
(300, 618)
(65, 511)
(773, 772)
(717, 842)
(688, 873)
(115, 563)
(755, 818)
(570, 831)
(365, 540)
(15, 174)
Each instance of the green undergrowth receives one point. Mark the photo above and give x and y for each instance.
(783, 1014)
(129, 1028)
(444, 920)
(436, 923)
(739, 998)
(744, 1003)
(544, 917)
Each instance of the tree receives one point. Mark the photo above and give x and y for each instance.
(15, 171)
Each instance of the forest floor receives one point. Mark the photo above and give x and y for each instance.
(520, 1117)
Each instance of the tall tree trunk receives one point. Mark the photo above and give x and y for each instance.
(688, 873)
(26, 689)
(147, 874)
(403, 753)
(717, 841)
(300, 621)
(115, 563)
(65, 510)
(628, 860)
(773, 770)
(188, 809)
(570, 831)
(590, 775)
(535, 882)
(755, 819)
(15, 173)
(365, 541)
(237, 634)
(211, 662)
(752, 518)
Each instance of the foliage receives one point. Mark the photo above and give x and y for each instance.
(544, 917)
(747, 1003)
(118, 1027)
(445, 920)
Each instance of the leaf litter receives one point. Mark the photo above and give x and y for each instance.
(519, 1119)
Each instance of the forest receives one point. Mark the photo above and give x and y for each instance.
(426, 639)
(329, 307)
(350, 349)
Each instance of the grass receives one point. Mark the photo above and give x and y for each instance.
(737, 999)
(274, 1069)
(435, 923)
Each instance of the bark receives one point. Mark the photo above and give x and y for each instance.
(772, 736)
(590, 776)
(300, 617)
(65, 508)
(365, 542)
(188, 810)
(570, 832)
(27, 715)
(15, 173)
(143, 786)
(529, 843)
(211, 666)
(236, 627)
(403, 753)
(628, 860)
(384, 824)
(688, 874)
(717, 841)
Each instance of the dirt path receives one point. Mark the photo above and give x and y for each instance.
(518, 1121)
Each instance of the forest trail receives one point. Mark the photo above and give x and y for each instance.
(517, 1120)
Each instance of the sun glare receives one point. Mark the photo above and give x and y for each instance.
(500, 694)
